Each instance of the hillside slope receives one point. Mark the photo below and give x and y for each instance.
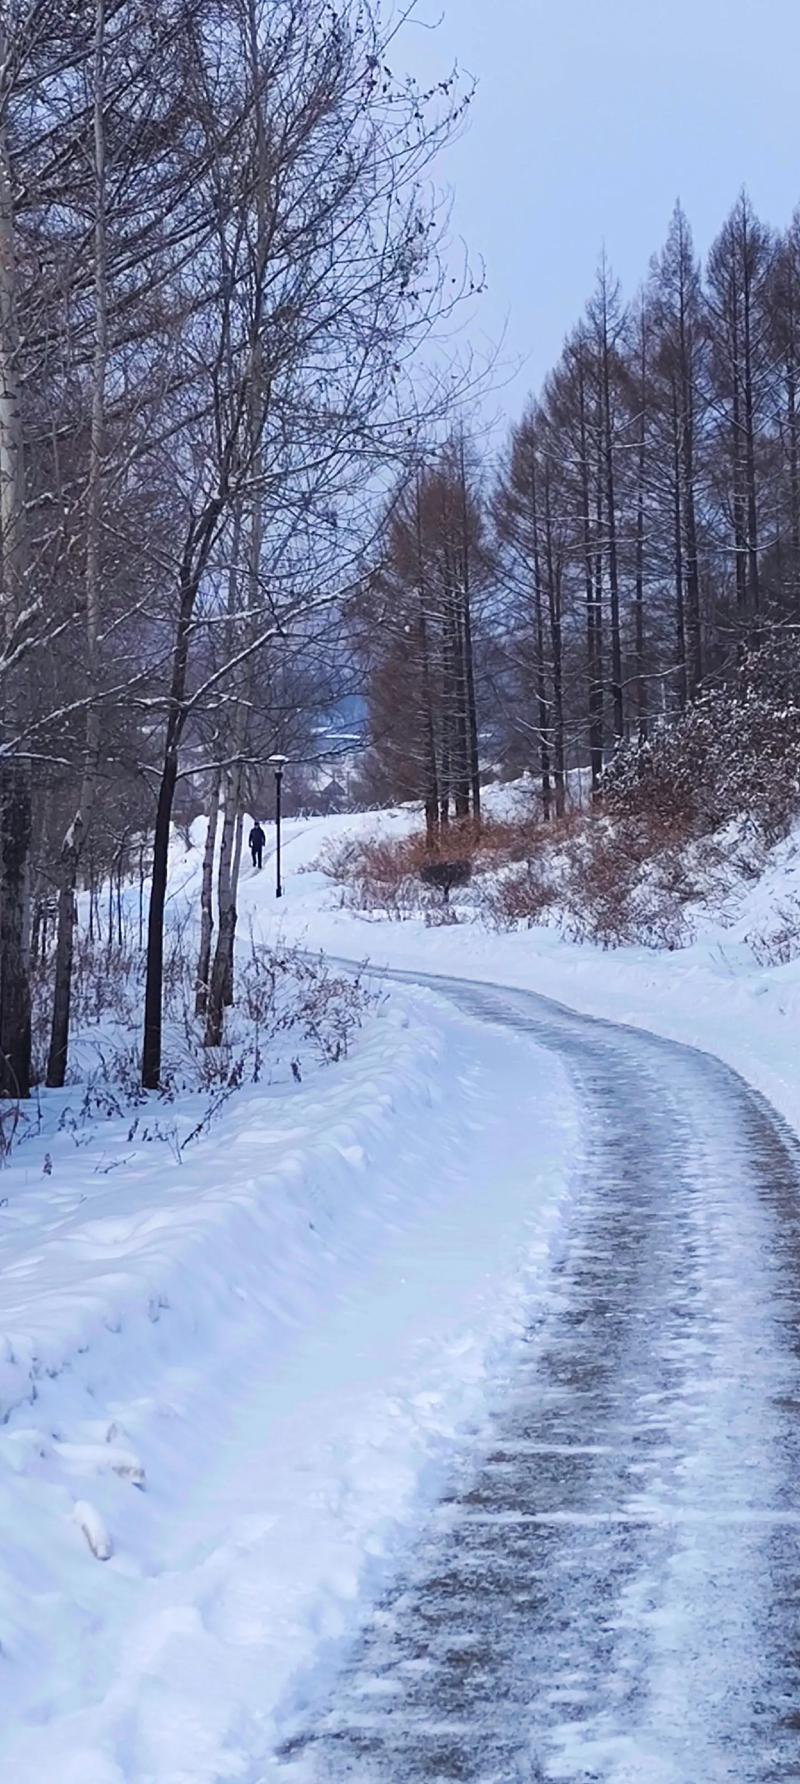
(715, 992)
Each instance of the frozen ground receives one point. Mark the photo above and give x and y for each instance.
(502, 1287)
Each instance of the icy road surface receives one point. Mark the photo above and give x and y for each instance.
(611, 1589)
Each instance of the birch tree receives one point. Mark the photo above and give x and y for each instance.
(320, 290)
(73, 842)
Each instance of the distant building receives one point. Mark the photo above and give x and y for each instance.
(333, 797)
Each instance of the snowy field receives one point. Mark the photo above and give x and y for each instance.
(233, 1379)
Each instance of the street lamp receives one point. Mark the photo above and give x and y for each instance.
(278, 763)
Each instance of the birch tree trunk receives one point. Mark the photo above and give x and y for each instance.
(693, 616)
(639, 625)
(593, 585)
(15, 784)
(680, 606)
(226, 897)
(72, 846)
(541, 673)
(207, 900)
(739, 504)
(195, 554)
(461, 782)
(753, 576)
(227, 992)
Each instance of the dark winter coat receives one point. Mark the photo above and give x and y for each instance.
(257, 838)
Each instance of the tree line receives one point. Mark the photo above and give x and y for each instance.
(636, 535)
(223, 266)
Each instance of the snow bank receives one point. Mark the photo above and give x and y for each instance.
(231, 1384)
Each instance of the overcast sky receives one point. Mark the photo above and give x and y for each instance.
(589, 121)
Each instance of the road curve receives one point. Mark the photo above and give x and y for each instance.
(611, 1588)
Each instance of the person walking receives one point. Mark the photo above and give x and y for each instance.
(257, 840)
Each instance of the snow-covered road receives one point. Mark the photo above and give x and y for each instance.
(249, 1366)
(440, 1409)
(610, 1589)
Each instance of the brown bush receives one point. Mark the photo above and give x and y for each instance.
(381, 873)
(522, 896)
(502, 843)
(780, 943)
(631, 880)
(601, 872)
(626, 879)
(376, 873)
(733, 756)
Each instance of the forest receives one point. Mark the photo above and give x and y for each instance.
(246, 475)
(628, 552)
(222, 258)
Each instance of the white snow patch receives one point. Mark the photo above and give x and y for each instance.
(89, 1520)
(283, 1339)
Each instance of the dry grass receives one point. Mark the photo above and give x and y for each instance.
(520, 898)
(780, 943)
(634, 878)
(383, 874)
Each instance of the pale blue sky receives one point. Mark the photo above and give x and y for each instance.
(588, 123)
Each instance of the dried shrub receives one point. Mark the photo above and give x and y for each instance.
(780, 943)
(599, 885)
(287, 1005)
(386, 874)
(285, 1001)
(634, 871)
(630, 882)
(443, 876)
(375, 873)
(734, 755)
(521, 897)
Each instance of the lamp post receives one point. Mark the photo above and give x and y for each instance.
(278, 763)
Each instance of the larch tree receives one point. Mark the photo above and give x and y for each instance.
(737, 305)
(420, 644)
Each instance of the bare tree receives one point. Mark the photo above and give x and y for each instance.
(73, 842)
(315, 271)
(419, 643)
(15, 788)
